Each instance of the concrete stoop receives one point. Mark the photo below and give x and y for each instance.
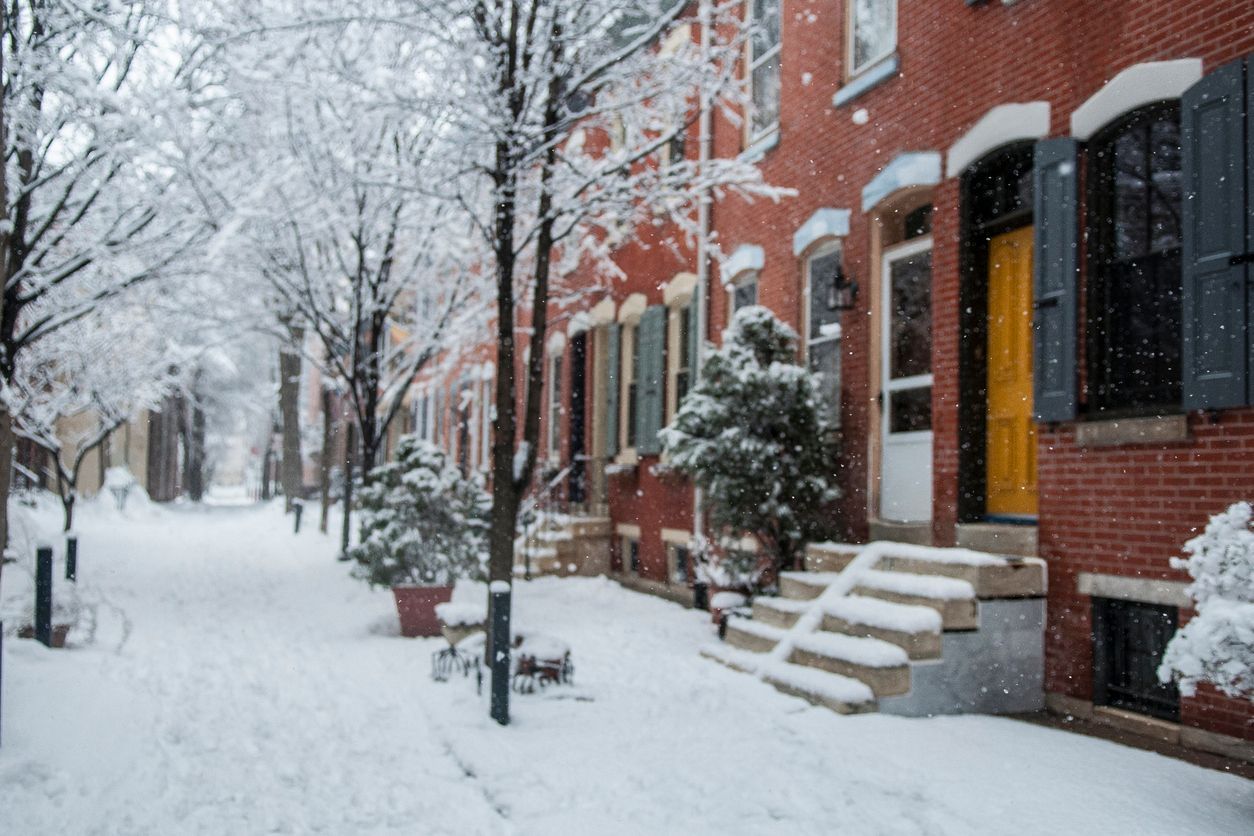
(569, 545)
(900, 628)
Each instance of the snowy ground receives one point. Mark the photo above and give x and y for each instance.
(238, 682)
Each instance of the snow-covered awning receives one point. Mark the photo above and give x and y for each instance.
(1001, 125)
(824, 223)
(912, 168)
(746, 258)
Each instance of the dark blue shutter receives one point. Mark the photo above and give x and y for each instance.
(1055, 265)
(611, 390)
(1214, 352)
(651, 355)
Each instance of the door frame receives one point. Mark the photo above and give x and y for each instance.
(890, 255)
(973, 323)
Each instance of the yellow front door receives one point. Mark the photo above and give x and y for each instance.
(1011, 443)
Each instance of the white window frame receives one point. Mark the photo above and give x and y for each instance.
(752, 62)
(850, 40)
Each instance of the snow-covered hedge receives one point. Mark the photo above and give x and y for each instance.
(1217, 645)
(422, 521)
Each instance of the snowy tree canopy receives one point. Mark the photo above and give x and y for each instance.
(1217, 645)
(754, 435)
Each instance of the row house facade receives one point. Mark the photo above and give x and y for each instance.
(1019, 254)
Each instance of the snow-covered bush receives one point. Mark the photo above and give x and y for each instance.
(422, 521)
(1217, 645)
(754, 435)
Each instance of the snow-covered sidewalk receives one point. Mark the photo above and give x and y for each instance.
(252, 687)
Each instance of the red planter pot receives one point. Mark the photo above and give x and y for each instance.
(416, 607)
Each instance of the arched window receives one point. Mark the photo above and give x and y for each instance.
(1134, 278)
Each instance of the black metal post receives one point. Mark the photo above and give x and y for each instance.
(498, 647)
(71, 559)
(298, 508)
(43, 595)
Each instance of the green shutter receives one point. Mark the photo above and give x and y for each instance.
(694, 340)
(1214, 349)
(650, 374)
(611, 391)
(1055, 264)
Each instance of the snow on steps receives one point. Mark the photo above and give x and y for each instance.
(953, 599)
(839, 693)
(865, 622)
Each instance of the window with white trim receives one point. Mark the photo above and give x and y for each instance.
(744, 291)
(554, 418)
(764, 68)
(823, 331)
(629, 396)
(872, 33)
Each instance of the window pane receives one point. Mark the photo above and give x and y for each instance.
(911, 316)
(911, 410)
(766, 33)
(765, 94)
(746, 294)
(823, 272)
(825, 362)
(873, 25)
(1165, 185)
(1134, 331)
(1130, 208)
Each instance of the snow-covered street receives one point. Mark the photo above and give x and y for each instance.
(240, 682)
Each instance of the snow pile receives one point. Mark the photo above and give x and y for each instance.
(1217, 645)
(461, 614)
(872, 612)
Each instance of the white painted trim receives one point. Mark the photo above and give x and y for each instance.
(602, 312)
(556, 343)
(1001, 125)
(911, 168)
(579, 323)
(747, 258)
(627, 530)
(1140, 84)
(824, 223)
(632, 309)
(679, 290)
(676, 536)
(1126, 588)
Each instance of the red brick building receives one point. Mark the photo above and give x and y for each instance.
(1046, 208)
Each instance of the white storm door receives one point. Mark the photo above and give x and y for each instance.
(906, 384)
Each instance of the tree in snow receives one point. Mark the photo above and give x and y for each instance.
(69, 394)
(564, 111)
(1217, 645)
(315, 191)
(422, 521)
(91, 197)
(754, 435)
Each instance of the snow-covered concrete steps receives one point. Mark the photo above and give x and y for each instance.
(923, 630)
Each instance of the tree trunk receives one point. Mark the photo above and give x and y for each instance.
(345, 529)
(324, 463)
(292, 475)
(6, 475)
(196, 473)
(67, 505)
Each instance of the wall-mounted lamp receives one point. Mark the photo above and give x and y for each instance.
(842, 291)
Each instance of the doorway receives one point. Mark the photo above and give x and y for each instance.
(1010, 454)
(906, 383)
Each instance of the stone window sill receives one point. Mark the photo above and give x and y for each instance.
(867, 80)
(1160, 429)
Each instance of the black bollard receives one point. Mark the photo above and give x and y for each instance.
(298, 509)
(71, 558)
(43, 595)
(498, 647)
